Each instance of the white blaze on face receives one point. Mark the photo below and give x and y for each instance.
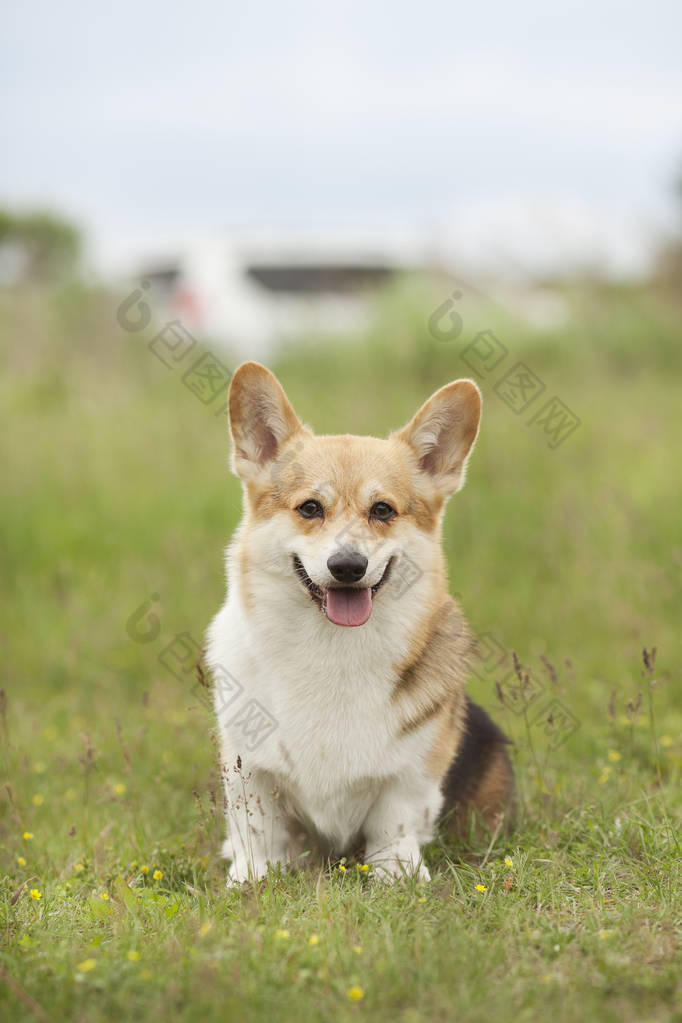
(344, 533)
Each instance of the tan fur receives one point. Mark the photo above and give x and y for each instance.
(244, 573)
(493, 804)
(433, 683)
(496, 787)
(341, 465)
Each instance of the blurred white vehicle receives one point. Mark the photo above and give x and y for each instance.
(249, 295)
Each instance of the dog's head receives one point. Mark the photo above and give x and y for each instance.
(341, 517)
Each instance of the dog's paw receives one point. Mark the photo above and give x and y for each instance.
(388, 870)
(242, 870)
(423, 874)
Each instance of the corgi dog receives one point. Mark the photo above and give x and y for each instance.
(339, 659)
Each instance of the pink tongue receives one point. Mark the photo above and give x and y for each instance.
(349, 607)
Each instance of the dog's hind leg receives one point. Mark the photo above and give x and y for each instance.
(480, 779)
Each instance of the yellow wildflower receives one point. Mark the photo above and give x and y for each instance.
(144, 868)
(119, 788)
(342, 867)
(28, 835)
(35, 894)
(104, 897)
(614, 756)
(87, 965)
(604, 776)
(481, 888)
(157, 875)
(357, 949)
(38, 800)
(78, 867)
(355, 993)
(133, 955)
(21, 861)
(509, 861)
(314, 939)
(282, 935)
(422, 899)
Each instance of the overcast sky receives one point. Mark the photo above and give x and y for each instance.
(143, 119)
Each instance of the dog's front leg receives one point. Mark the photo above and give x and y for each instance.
(400, 821)
(256, 826)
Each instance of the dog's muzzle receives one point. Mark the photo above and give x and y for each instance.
(345, 604)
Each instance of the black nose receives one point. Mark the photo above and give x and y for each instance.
(347, 566)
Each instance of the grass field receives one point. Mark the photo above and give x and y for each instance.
(116, 505)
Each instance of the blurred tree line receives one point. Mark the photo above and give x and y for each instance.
(40, 247)
(37, 247)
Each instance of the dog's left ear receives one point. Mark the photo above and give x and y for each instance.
(261, 419)
(443, 432)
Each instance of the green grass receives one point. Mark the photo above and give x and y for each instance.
(115, 487)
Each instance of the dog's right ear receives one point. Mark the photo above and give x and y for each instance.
(261, 419)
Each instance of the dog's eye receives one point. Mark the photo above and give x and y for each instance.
(310, 509)
(382, 511)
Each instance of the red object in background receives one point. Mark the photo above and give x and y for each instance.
(187, 306)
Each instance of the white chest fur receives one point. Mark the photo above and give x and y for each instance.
(332, 732)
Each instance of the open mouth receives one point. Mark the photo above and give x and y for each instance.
(342, 605)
